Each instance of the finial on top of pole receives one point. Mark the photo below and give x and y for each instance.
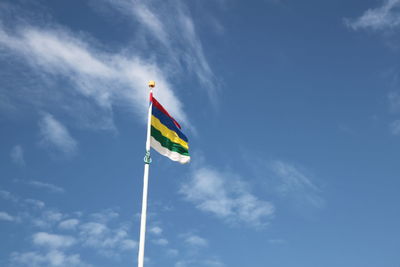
(152, 84)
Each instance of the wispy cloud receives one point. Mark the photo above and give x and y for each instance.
(55, 135)
(178, 36)
(394, 101)
(161, 241)
(6, 195)
(200, 263)
(395, 127)
(100, 232)
(36, 203)
(295, 184)
(50, 187)
(156, 230)
(384, 17)
(17, 155)
(53, 241)
(69, 224)
(226, 196)
(53, 258)
(195, 240)
(4, 216)
(99, 80)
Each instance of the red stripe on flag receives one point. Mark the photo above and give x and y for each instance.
(162, 109)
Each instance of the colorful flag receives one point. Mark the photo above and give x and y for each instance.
(166, 137)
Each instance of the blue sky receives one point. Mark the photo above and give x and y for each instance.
(292, 109)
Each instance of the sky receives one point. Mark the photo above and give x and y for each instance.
(292, 110)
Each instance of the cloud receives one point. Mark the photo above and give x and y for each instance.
(172, 252)
(51, 187)
(195, 240)
(295, 184)
(47, 219)
(394, 101)
(53, 241)
(226, 196)
(200, 263)
(384, 17)
(156, 230)
(36, 203)
(51, 258)
(107, 241)
(69, 224)
(4, 216)
(17, 155)
(161, 241)
(178, 37)
(395, 127)
(8, 196)
(55, 135)
(94, 81)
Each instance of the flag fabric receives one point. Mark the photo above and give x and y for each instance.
(166, 137)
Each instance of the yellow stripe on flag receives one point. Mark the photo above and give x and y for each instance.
(173, 136)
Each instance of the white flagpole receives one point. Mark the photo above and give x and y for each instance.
(147, 161)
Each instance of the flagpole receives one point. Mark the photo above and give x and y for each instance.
(147, 161)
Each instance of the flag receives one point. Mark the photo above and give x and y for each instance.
(165, 136)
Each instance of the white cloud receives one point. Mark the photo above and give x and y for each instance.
(395, 127)
(105, 216)
(51, 187)
(394, 101)
(161, 241)
(69, 224)
(36, 203)
(94, 80)
(107, 241)
(195, 240)
(172, 252)
(156, 230)
(53, 258)
(200, 263)
(53, 241)
(54, 134)
(17, 155)
(178, 36)
(226, 196)
(4, 216)
(8, 196)
(384, 17)
(294, 183)
(47, 219)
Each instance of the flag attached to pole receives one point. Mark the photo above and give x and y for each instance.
(166, 137)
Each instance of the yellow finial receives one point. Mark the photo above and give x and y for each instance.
(152, 84)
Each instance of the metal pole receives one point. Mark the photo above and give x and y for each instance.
(147, 161)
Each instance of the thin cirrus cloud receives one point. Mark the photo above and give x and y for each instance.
(53, 241)
(17, 155)
(227, 197)
(69, 224)
(50, 258)
(176, 33)
(293, 183)
(101, 80)
(47, 186)
(55, 135)
(384, 17)
(4, 216)
(395, 127)
(195, 240)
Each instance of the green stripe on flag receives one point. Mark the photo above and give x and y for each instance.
(167, 143)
